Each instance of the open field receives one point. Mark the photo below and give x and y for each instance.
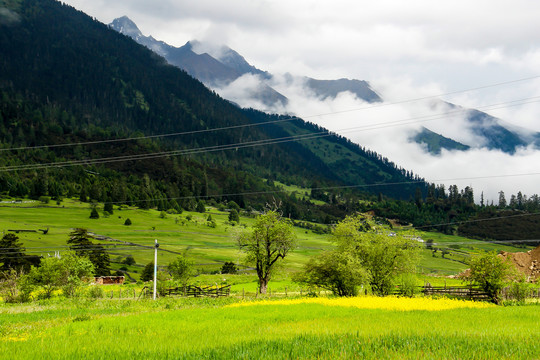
(303, 329)
(208, 247)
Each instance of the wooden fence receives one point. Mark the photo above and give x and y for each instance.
(473, 293)
(469, 293)
(201, 291)
(531, 294)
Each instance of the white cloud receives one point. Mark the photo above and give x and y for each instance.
(387, 129)
(406, 49)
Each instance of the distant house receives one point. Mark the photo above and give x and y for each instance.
(109, 280)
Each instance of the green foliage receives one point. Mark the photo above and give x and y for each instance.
(148, 272)
(96, 292)
(108, 207)
(12, 255)
(180, 269)
(233, 206)
(200, 207)
(335, 271)
(490, 272)
(94, 214)
(127, 222)
(129, 260)
(271, 239)
(503, 225)
(44, 199)
(408, 285)
(210, 222)
(519, 290)
(66, 273)
(96, 253)
(229, 268)
(233, 216)
(384, 255)
(14, 286)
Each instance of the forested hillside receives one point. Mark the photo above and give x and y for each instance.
(68, 79)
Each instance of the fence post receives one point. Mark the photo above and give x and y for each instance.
(285, 291)
(134, 294)
(112, 294)
(243, 294)
(120, 294)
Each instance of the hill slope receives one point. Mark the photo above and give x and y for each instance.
(65, 78)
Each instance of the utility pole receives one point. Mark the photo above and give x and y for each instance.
(155, 268)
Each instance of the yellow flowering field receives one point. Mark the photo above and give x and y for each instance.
(375, 302)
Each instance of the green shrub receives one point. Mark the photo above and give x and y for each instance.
(519, 291)
(94, 214)
(129, 260)
(407, 285)
(334, 271)
(44, 199)
(127, 222)
(200, 207)
(229, 268)
(95, 292)
(233, 216)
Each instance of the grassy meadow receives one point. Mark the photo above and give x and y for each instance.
(207, 247)
(365, 327)
(124, 325)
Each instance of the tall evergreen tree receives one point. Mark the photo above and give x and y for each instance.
(12, 255)
(81, 244)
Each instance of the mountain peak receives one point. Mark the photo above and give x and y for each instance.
(126, 26)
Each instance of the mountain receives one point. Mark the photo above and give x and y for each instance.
(495, 134)
(215, 72)
(228, 57)
(68, 79)
(219, 66)
(436, 142)
(331, 88)
(492, 133)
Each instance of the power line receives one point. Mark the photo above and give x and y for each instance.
(475, 220)
(254, 143)
(337, 187)
(472, 243)
(201, 131)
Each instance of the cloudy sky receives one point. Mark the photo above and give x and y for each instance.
(406, 49)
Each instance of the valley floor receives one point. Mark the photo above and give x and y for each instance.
(301, 329)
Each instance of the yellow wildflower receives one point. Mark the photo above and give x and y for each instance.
(374, 302)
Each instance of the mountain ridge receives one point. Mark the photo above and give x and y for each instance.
(488, 129)
(235, 66)
(92, 84)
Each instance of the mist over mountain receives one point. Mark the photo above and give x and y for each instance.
(219, 66)
(226, 71)
(104, 118)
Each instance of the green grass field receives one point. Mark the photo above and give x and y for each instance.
(207, 328)
(207, 247)
(125, 326)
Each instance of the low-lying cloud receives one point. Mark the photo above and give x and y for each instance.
(387, 128)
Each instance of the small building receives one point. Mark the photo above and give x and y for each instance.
(109, 280)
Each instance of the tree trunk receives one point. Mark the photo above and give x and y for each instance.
(263, 285)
